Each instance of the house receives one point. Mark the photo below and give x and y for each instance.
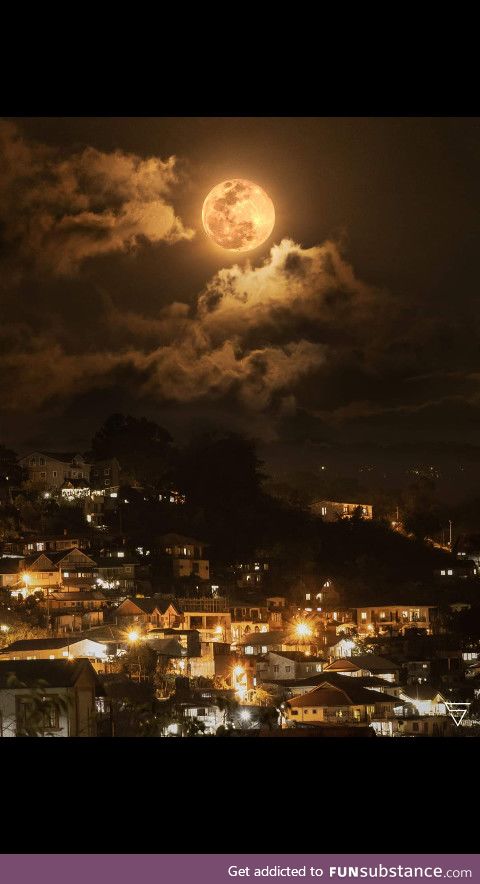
(73, 611)
(417, 671)
(247, 617)
(461, 570)
(341, 647)
(209, 616)
(44, 570)
(54, 543)
(51, 468)
(73, 600)
(38, 572)
(184, 556)
(189, 639)
(9, 573)
(365, 664)
(468, 547)
(394, 619)
(423, 700)
(332, 510)
(434, 726)
(296, 687)
(113, 637)
(75, 566)
(54, 649)
(316, 594)
(215, 661)
(261, 643)
(331, 703)
(48, 698)
(202, 711)
(287, 665)
(250, 575)
(147, 612)
(105, 475)
(125, 572)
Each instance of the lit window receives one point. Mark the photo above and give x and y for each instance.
(51, 657)
(324, 510)
(450, 572)
(66, 573)
(363, 616)
(308, 596)
(442, 573)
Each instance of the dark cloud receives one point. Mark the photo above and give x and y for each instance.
(56, 211)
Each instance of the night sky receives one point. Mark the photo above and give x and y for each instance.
(355, 324)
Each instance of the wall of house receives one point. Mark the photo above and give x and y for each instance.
(330, 714)
(395, 617)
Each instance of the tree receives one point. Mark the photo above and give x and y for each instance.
(143, 448)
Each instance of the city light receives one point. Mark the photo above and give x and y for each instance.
(303, 630)
(4, 627)
(219, 630)
(245, 715)
(26, 579)
(239, 682)
(133, 636)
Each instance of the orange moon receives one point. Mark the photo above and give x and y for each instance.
(238, 215)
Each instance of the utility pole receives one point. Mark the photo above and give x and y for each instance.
(450, 540)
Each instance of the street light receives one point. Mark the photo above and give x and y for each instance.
(303, 630)
(133, 636)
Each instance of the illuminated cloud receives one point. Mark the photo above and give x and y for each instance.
(56, 211)
(254, 335)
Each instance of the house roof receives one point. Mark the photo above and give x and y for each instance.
(59, 555)
(77, 596)
(375, 663)
(63, 456)
(317, 678)
(180, 539)
(42, 644)
(168, 647)
(262, 638)
(9, 566)
(56, 673)
(105, 634)
(297, 656)
(421, 692)
(36, 644)
(332, 693)
(362, 661)
(147, 605)
(28, 561)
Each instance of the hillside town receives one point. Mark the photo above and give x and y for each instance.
(147, 590)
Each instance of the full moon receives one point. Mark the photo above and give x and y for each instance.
(238, 215)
